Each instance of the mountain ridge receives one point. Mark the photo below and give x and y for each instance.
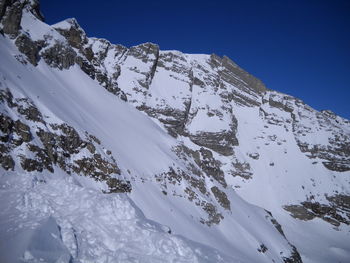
(196, 135)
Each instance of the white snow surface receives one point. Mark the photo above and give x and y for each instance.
(48, 217)
(57, 218)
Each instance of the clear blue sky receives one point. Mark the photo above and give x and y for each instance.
(299, 47)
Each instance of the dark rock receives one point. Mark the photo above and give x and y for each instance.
(300, 212)
(59, 56)
(294, 258)
(86, 66)
(211, 167)
(90, 146)
(213, 216)
(280, 105)
(75, 34)
(28, 47)
(7, 162)
(12, 15)
(23, 131)
(31, 165)
(242, 170)
(335, 213)
(254, 156)
(70, 141)
(337, 166)
(6, 127)
(29, 110)
(95, 139)
(118, 186)
(220, 142)
(3, 5)
(262, 248)
(221, 197)
(144, 53)
(173, 119)
(42, 160)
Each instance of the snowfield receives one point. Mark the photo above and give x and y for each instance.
(115, 154)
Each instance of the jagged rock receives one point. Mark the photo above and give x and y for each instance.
(262, 248)
(7, 162)
(254, 156)
(75, 35)
(213, 216)
(275, 223)
(31, 113)
(42, 160)
(220, 142)
(294, 258)
(90, 146)
(242, 170)
(11, 18)
(337, 166)
(221, 197)
(173, 119)
(6, 125)
(59, 56)
(118, 186)
(332, 213)
(86, 66)
(205, 160)
(23, 132)
(147, 52)
(31, 165)
(143, 51)
(70, 142)
(28, 48)
(59, 146)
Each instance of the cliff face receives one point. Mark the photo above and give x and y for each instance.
(197, 143)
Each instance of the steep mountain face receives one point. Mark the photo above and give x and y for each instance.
(115, 154)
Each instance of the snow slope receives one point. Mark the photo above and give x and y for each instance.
(220, 168)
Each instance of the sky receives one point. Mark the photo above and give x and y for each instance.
(299, 47)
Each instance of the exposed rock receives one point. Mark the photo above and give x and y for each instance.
(59, 56)
(147, 53)
(300, 212)
(254, 155)
(75, 34)
(6, 126)
(7, 162)
(61, 145)
(335, 213)
(252, 82)
(173, 119)
(204, 159)
(118, 186)
(11, 18)
(220, 142)
(213, 216)
(262, 248)
(28, 48)
(242, 170)
(294, 258)
(275, 223)
(29, 111)
(221, 197)
(23, 132)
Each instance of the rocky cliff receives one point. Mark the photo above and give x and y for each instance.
(252, 172)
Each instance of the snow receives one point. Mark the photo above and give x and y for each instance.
(72, 214)
(58, 220)
(61, 218)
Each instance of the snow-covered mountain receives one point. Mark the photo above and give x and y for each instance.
(116, 154)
